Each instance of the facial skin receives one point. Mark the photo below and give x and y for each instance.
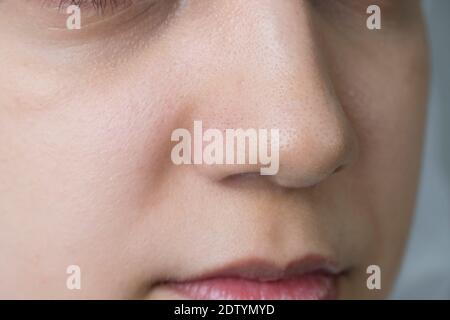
(86, 118)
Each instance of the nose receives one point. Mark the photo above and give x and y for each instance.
(264, 69)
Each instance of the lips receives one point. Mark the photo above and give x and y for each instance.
(306, 279)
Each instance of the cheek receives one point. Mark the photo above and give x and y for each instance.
(389, 121)
(384, 96)
(100, 155)
(383, 91)
(93, 132)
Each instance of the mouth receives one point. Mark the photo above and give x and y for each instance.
(310, 278)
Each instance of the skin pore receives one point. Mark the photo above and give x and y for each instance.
(86, 118)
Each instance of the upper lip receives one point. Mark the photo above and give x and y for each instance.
(259, 269)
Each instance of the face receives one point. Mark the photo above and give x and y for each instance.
(86, 176)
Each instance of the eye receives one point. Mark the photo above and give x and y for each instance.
(97, 20)
(88, 7)
(348, 12)
(96, 14)
(357, 4)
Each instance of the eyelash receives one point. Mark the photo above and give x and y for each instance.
(99, 5)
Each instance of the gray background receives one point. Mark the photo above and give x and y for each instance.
(426, 270)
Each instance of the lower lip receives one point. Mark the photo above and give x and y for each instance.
(305, 287)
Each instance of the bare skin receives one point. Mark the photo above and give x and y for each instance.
(85, 124)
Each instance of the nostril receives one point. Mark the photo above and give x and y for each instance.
(242, 176)
(249, 179)
(338, 169)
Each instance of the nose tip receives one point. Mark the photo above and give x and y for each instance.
(307, 161)
(301, 158)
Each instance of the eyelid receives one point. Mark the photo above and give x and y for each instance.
(102, 7)
(109, 12)
(134, 17)
(359, 6)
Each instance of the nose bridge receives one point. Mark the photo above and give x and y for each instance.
(267, 58)
(268, 42)
(272, 76)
